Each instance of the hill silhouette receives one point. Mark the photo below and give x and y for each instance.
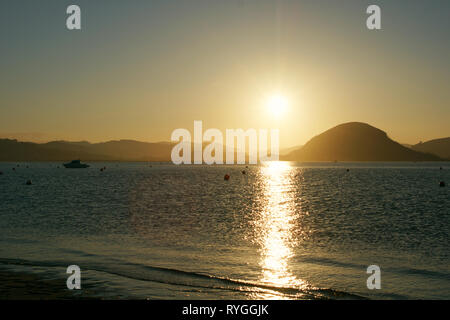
(439, 147)
(122, 150)
(117, 150)
(356, 141)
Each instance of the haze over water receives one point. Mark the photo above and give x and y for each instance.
(281, 231)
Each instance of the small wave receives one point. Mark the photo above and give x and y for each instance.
(193, 279)
(331, 262)
(425, 273)
(406, 271)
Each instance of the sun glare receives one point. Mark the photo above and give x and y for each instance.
(277, 104)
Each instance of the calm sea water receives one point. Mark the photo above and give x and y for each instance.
(281, 231)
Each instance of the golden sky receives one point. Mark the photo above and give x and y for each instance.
(141, 70)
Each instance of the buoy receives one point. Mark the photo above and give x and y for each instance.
(1, 173)
(243, 172)
(440, 168)
(348, 170)
(14, 169)
(28, 182)
(226, 177)
(442, 184)
(101, 169)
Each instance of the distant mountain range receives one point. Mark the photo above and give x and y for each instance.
(123, 150)
(354, 141)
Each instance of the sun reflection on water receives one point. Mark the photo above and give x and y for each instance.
(274, 228)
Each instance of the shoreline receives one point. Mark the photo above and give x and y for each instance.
(27, 286)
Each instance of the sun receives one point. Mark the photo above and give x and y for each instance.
(277, 104)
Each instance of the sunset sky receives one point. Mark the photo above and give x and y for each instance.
(140, 69)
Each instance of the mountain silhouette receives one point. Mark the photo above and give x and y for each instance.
(356, 141)
(117, 150)
(122, 150)
(439, 147)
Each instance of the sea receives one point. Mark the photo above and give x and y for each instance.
(279, 230)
